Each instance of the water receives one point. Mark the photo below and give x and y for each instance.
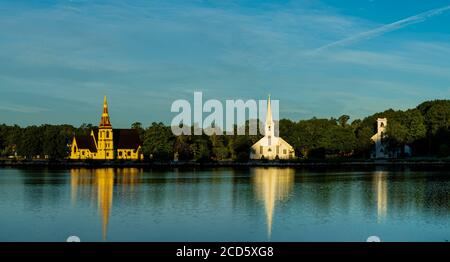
(225, 204)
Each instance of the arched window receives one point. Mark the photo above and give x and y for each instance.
(270, 140)
(107, 134)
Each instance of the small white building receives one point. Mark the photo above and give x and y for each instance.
(270, 146)
(380, 150)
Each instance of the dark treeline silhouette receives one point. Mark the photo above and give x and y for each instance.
(425, 129)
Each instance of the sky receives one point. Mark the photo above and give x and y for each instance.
(318, 58)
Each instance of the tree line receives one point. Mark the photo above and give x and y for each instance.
(426, 129)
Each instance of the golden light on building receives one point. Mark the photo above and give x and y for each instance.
(106, 143)
(272, 185)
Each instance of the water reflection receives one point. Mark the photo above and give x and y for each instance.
(381, 191)
(98, 185)
(224, 204)
(272, 185)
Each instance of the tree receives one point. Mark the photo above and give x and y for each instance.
(158, 142)
(343, 120)
(138, 127)
(55, 141)
(30, 143)
(241, 148)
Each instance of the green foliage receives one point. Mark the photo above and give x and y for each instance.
(158, 142)
(425, 128)
(54, 140)
(138, 127)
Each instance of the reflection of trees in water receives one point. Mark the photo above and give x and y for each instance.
(322, 193)
(272, 185)
(380, 192)
(189, 188)
(396, 193)
(424, 192)
(41, 187)
(98, 185)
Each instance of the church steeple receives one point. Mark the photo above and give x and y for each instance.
(105, 122)
(269, 126)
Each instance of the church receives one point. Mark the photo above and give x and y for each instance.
(270, 146)
(106, 143)
(381, 149)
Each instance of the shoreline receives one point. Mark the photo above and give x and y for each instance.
(128, 164)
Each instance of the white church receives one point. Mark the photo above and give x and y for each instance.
(270, 146)
(381, 150)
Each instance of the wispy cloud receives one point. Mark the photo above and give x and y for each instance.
(385, 28)
(20, 108)
(144, 54)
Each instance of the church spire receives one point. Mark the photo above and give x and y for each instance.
(105, 122)
(269, 112)
(269, 126)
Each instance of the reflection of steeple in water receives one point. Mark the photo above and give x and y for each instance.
(380, 188)
(271, 186)
(82, 184)
(105, 185)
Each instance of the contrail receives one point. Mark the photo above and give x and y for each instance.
(386, 28)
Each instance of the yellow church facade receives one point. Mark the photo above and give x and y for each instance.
(106, 143)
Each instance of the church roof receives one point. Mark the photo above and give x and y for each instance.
(86, 142)
(123, 139)
(126, 139)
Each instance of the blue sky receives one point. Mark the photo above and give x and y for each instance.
(319, 58)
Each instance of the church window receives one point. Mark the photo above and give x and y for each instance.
(270, 149)
(120, 153)
(261, 150)
(382, 125)
(270, 140)
(82, 153)
(278, 150)
(284, 151)
(107, 154)
(129, 153)
(107, 134)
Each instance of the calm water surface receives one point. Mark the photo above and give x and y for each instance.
(256, 204)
